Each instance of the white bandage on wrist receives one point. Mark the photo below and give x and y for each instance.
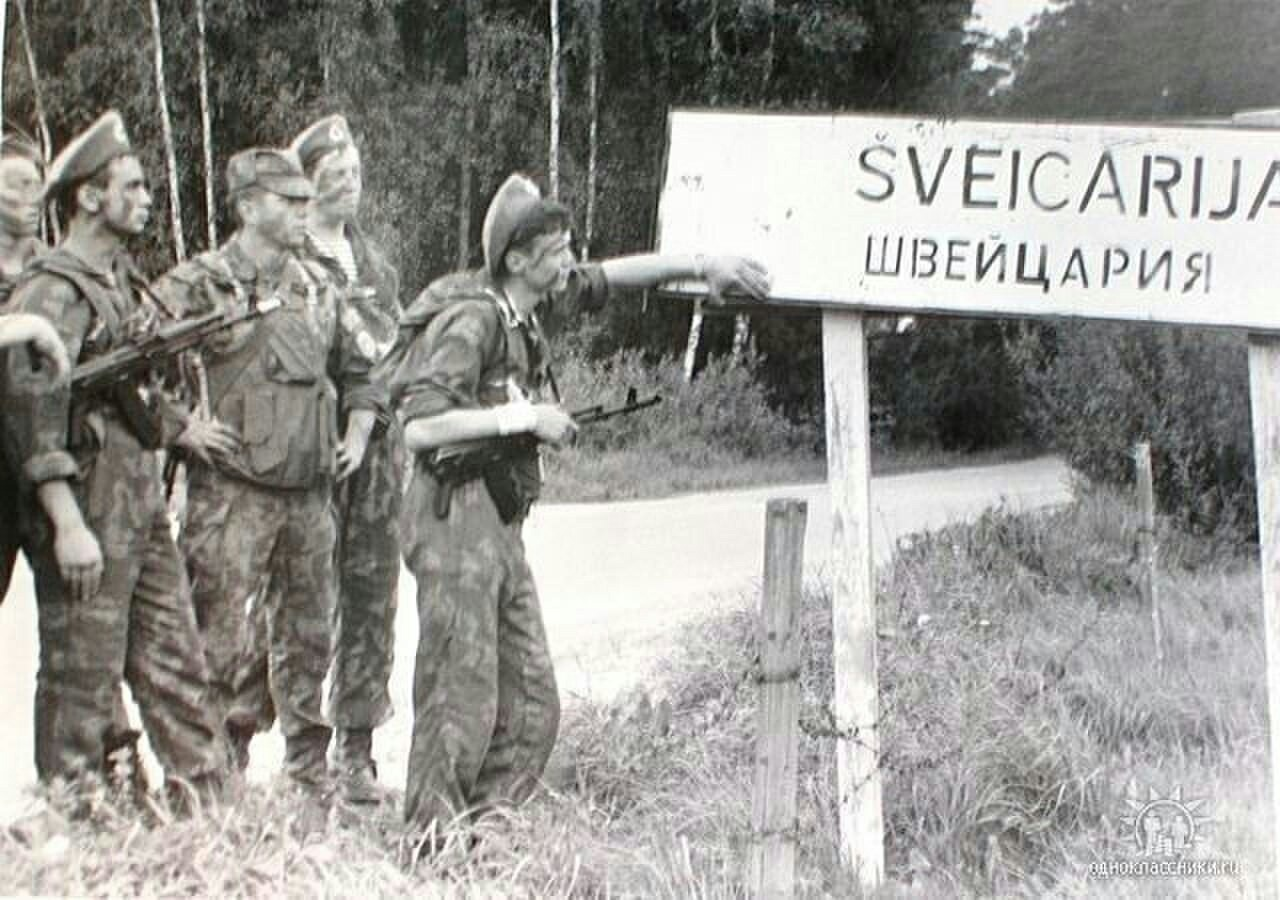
(516, 418)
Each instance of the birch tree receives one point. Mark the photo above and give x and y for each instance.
(595, 43)
(4, 16)
(206, 127)
(166, 128)
(471, 99)
(553, 78)
(49, 223)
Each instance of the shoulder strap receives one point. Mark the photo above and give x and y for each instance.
(88, 287)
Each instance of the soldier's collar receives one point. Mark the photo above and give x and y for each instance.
(510, 315)
(242, 265)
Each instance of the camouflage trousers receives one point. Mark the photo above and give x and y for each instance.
(9, 538)
(140, 625)
(243, 540)
(485, 704)
(367, 560)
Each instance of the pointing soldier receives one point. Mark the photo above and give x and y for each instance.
(472, 364)
(367, 499)
(258, 515)
(112, 592)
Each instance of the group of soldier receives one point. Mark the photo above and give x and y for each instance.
(293, 426)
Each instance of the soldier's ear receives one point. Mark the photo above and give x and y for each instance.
(89, 197)
(515, 261)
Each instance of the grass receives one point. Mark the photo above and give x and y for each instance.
(1022, 715)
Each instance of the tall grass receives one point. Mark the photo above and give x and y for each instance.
(1021, 710)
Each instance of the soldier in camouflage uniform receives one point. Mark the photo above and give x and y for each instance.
(367, 500)
(21, 193)
(259, 518)
(471, 364)
(21, 190)
(113, 598)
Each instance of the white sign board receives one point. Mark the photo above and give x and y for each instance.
(1166, 224)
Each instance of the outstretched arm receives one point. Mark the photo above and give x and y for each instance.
(28, 328)
(721, 273)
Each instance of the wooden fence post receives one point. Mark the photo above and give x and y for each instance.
(1147, 546)
(771, 868)
(853, 597)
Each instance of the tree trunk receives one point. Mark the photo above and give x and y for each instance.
(4, 10)
(471, 101)
(691, 345)
(206, 128)
(553, 78)
(166, 127)
(49, 223)
(741, 336)
(595, 50)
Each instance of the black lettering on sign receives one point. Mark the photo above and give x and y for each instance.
(867, 166)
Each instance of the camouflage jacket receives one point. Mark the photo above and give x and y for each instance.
(462, 345)
(276, 379)
(373, 301)
(94, 312)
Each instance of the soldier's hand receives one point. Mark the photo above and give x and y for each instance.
(553, 425)
(209, 438)
(351, 452)
(737, 274)
(79, 560)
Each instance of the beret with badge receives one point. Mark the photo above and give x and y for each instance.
(516, 200)
(321, 137)
(103, 141)
(15, 144)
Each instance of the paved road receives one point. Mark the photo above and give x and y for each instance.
(614, 579)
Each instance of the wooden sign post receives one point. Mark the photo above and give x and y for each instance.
(1264, 391)
(853, 597)
(853, 214)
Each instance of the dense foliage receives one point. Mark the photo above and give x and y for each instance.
(447, 96)
(1095, 390)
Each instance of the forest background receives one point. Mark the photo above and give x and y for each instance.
(448, 96)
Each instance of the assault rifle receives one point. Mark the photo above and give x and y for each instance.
(492, 459)
(124, 363)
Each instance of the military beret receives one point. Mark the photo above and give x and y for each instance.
(17, 144)
(277, 171)
(88, 152)
(318, 138)
(511, 204)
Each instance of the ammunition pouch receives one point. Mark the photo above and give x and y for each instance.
(142, 418)
(509, 467)
(287, 420)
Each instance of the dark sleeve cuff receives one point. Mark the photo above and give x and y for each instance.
(593, 287)
(56, 465)
(369, 398)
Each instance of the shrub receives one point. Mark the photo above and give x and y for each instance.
(723, 411)
(1101, 388)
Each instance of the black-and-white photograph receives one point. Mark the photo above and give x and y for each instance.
(640, 448)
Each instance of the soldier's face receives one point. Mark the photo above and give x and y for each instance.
(20, 194)
(281, 220)
(339, 181)
(547, 262)
(125, 203)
